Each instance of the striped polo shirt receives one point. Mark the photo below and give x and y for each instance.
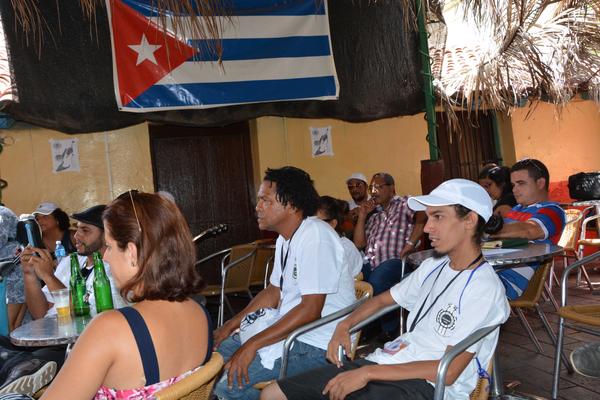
(551, 218)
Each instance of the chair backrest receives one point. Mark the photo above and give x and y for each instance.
(531, 295)
(238, 277)
(198, 385)
(363, 290)
(570, 233)
(264, 253)
(482, 390)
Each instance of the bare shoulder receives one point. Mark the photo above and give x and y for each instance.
(109, 325)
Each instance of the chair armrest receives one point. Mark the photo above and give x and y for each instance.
(440, 382)
(287, 344)
(213, 255)
(225, 268)
(568, 270)
(373, 317)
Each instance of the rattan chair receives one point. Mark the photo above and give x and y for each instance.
(583, 241)
(530, 299)
(568, 240)
(198, 385)
(263, 263)
(482, 389)
(236, 270)
(579, 314)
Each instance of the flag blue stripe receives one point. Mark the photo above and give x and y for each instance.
(199, 94)
(247, 7)
(251, 49)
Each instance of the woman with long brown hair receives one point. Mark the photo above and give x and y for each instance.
(165, 336)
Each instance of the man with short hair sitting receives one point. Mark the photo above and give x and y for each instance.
(534, 218)
(450, 296)
(309, 280)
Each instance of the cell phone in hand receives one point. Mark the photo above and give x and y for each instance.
(29, 233)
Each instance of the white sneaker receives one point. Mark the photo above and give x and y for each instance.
(29, 384)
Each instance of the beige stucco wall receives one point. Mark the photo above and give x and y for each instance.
(394, 145)
(111, 162)
(567, 145)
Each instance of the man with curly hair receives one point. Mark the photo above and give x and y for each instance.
(308, 281)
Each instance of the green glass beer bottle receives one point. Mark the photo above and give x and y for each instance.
(79, 296)
(102, 290)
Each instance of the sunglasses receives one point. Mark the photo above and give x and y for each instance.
(130, 194)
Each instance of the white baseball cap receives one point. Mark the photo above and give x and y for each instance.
(357, 175)
(456, 191)
(45, 209)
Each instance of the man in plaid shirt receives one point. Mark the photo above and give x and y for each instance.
(386, 230)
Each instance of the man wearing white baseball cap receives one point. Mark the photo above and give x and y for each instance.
(357, 187)
(449, 297)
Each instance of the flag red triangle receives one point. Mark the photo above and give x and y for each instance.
(128, 28)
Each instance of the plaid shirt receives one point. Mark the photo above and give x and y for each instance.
(387, 231)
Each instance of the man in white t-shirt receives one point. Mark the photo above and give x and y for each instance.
(308, 281)
(449, 297)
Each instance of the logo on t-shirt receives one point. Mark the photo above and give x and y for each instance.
(251, 318)
(446, 320)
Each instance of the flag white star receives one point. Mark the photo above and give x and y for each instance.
(145, 50)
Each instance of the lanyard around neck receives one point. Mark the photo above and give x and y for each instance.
(283, 260)
(419, 317)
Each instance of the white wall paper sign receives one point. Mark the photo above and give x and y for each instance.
(65, 155)
(322, 144)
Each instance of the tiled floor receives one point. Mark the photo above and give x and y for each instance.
(520, 362)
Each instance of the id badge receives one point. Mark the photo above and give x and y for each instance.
(395, 346)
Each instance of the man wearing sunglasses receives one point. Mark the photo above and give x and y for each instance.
(386, 229)
(533, 218)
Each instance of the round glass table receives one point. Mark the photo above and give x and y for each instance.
(532, 252)
(49, 331)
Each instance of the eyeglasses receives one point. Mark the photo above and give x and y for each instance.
(130, 194)
(377, 187)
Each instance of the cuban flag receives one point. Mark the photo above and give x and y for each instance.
(273, 50)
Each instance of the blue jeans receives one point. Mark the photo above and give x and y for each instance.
(382, 278)
(301, 358)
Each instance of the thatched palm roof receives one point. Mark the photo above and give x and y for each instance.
(506, 51)
(535, 49)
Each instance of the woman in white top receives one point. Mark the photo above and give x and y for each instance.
(333, 211)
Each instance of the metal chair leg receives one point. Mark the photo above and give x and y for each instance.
(497, 387)
(587, 278)
(229, 308)
(552, 336)
(557, 357)
(527, 327)
(551, 297)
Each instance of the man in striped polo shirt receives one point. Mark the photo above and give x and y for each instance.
(533, 218)
(387, 230)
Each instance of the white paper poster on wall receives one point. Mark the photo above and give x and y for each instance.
(65, 155)
(321, 140)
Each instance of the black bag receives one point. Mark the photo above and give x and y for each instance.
(585, 186)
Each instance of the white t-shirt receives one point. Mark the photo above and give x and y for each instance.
(352, 257)
(63, 274)
(474, 300)
(315, 265)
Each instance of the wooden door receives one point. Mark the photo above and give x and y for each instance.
(209, 172)
(467, 149)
